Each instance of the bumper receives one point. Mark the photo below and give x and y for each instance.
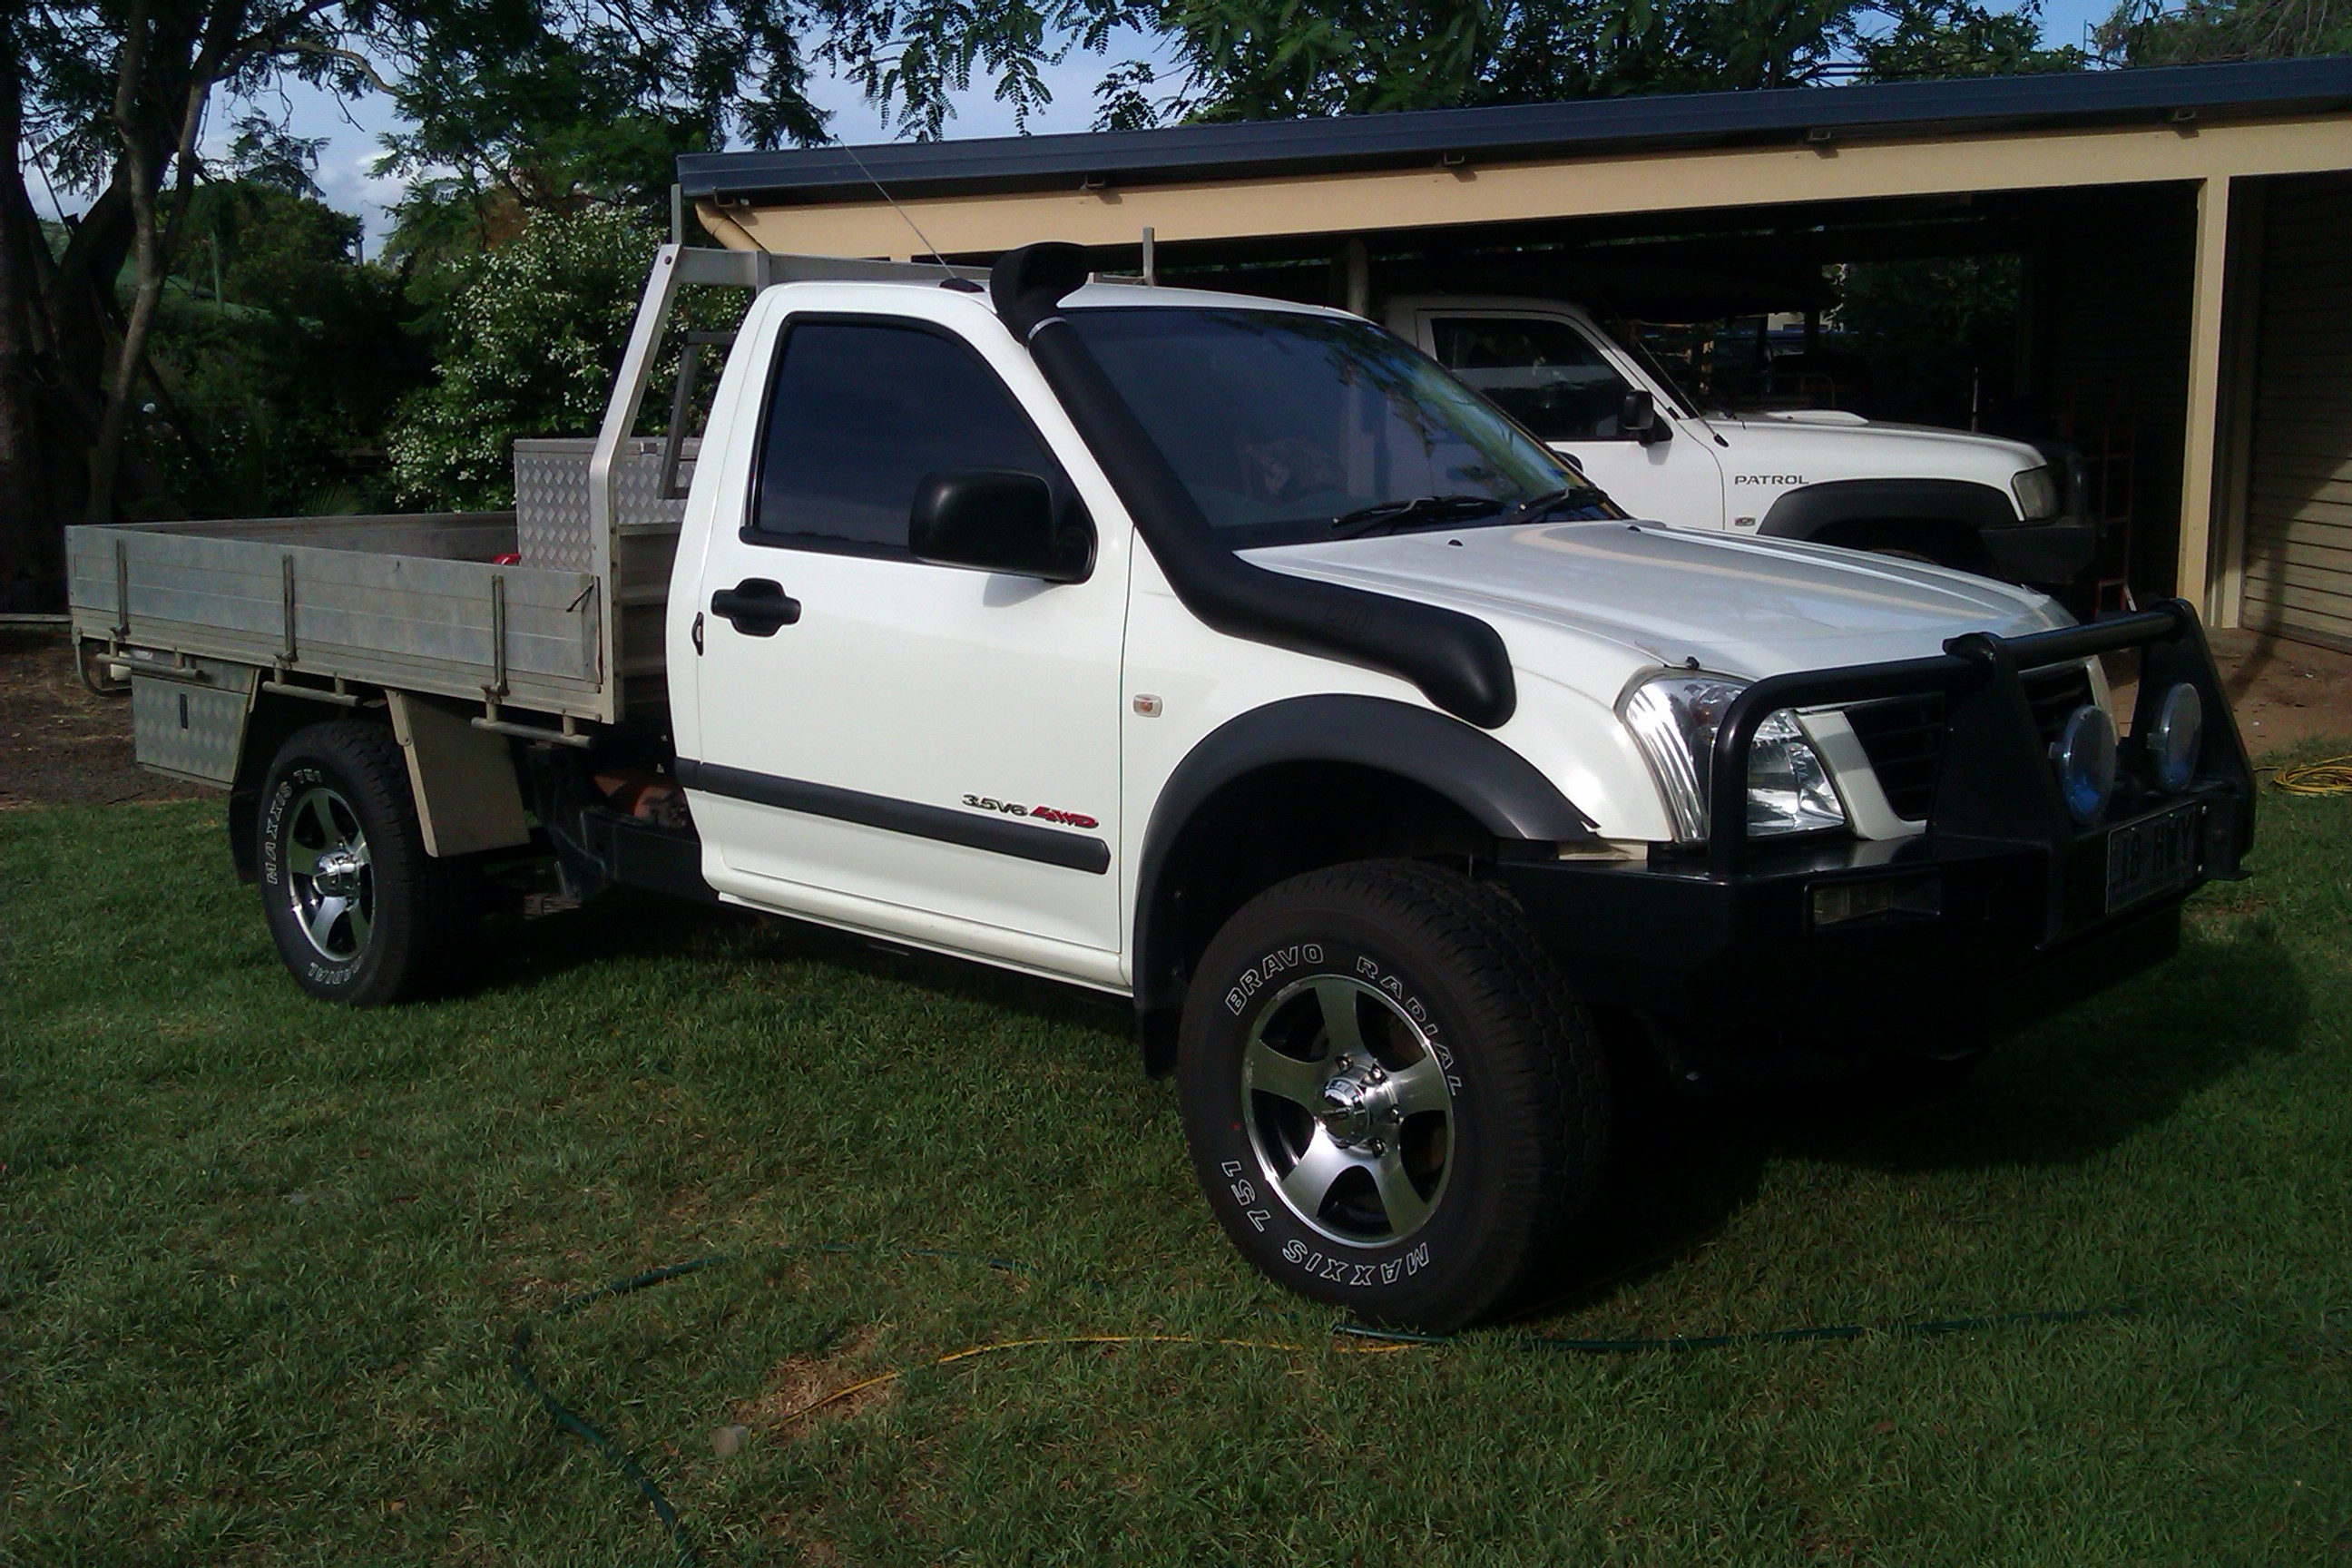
(1973, 935)
(2001, 910)
(2049, 554)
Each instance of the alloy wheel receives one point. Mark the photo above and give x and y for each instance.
(330, 883)
(1348, 1109)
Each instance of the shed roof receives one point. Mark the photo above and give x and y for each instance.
(2057, 101)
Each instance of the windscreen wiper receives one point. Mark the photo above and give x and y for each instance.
(1551, 501)
(1394, 514)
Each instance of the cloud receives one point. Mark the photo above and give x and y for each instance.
(347, 178)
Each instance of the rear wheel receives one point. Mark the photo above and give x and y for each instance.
(360, 912)
(1393, 1101)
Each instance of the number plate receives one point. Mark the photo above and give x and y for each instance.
(2154, 855)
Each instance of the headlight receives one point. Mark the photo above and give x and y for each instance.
(1675, 717)
(2174, 743)
(2086, 757)
(2040, 494)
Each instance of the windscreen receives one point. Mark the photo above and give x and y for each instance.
(1288, 428)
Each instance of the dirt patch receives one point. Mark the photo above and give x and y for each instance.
(2284, 693)
(783, 1406)
(60, 743)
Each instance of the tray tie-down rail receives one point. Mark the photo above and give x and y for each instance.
(1995, 781)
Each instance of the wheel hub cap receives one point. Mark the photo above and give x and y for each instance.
(329, 887)
(1349, 1110)
(339, 872)
(1356, 1107)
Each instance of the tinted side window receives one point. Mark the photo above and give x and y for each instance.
(1543, 373)
(859, 413)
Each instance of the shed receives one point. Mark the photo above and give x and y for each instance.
(2188, 319)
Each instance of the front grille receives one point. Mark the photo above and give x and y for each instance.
(2055, 693)
(1903, 736)
(1903, 739)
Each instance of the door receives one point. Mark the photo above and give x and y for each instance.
(1553, 377)
(919, 750)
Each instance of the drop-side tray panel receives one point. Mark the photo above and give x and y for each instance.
(419, 622)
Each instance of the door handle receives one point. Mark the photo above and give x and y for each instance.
(757, 606)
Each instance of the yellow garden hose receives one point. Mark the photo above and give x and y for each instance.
(2329, 775)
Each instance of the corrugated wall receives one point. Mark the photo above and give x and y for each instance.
(2298, 539)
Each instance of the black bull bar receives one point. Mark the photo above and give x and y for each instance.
(2002, 909)
(1995, 784)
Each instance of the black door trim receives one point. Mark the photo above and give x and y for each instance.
(998, 836)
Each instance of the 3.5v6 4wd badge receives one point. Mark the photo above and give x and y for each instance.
(1034, 813)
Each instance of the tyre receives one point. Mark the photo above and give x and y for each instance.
(360, 912)
(1392, 1100)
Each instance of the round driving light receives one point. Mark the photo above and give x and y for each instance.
(2085, 755)
(2179, 736)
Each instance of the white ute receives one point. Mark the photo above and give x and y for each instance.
(1975, 502)
(1227, 656)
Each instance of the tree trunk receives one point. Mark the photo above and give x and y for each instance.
(152, 239)
(31, 512)
(78, 294)
(142, 177)
(56, 315)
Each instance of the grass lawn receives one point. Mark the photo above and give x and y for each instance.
(260, 1258)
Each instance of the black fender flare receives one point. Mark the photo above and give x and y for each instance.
(1499, 789)
(1805, 512)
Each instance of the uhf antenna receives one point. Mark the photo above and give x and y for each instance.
(929, 248)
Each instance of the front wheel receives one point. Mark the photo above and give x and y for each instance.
(360, 912)
(1392, 1100)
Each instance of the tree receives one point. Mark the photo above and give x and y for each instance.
(108, 98)
(508, 116)
(278, 355)
(1242, 59)
(525, 108)
(1958, 37)
(911, 58)
(2165, 33)
(1248, 59)
(114, 95)
(534, 338)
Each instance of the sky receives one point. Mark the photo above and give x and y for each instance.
(347, 177)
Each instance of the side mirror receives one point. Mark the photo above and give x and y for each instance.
(995, 520)
(1639, 419)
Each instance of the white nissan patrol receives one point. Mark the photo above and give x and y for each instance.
(1227, 656)
(1978, 503)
